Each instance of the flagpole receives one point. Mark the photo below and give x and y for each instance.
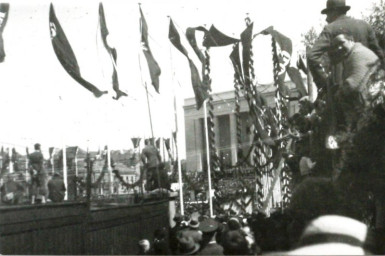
(10, 160)
(208, 158)
(179, 164)
(65, 170)
(109, 169)
(179, 161)
(149, 109)
(53, 160)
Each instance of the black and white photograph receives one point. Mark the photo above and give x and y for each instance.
(192, 127)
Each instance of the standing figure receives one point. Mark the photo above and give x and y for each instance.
(38, 174)
(151, 159)
(339, 23)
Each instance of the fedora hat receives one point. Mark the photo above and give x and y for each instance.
(186, 243)
(335, 5)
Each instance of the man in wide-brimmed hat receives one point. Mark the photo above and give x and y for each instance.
(339, 23)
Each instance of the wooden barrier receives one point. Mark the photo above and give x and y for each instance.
(71, 228)
(43, 229)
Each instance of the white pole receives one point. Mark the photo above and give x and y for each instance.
(76, 161)
(53, 160)
(208, 159)
(10, 161)
(65, 170)
(110, 170)
(26, 166)
(177, 139)
(179, 162)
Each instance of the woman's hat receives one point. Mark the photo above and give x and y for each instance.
(335, 5)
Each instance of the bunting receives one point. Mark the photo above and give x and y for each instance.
(4, 9)
(295, 76)
(157, 143)
(136, 142)
(284, 52)
(152, 64)
(246, 53)
(111, 51)
(200, 91)
(190, 34)
(236, 60)
(66, 55)
(301, 65)
(14, 160)
(167, 144)
(215, 38)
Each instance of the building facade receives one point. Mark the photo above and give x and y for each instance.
(225, 127)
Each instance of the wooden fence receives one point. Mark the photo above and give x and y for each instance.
(73, 228)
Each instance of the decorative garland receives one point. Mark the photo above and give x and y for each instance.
(282, 119)
(81, 183)
(124, 183)
(214, 159)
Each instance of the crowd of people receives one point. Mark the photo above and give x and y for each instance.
(315, 223)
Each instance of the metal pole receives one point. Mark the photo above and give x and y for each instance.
(179, 163)
(10, 160)
(110, 170)
(53, 161)
(208, 159)
(149, 112)
(65, 171)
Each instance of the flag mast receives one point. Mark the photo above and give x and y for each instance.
(176, 141)
(208, 158)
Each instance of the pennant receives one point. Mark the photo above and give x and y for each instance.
(301, 65)
(190, 34)
(152, 64)
(167, 144)
(5, 156)
(14, 160)
(215, 38)
(246, 53)
(174, 137)
(111, 51)
(200, 89)
(295, 76)
(284, 52)
(136, 142)
(50, 151)
(157, 143)
(4, 9)
(66, 55)
(174, 37)
(236, 60)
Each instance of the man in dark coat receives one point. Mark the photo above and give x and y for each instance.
(151, 158)
(209, 245)
(56, 188)
(38, 174)
(339, 23)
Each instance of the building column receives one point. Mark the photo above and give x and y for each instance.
(233, 138)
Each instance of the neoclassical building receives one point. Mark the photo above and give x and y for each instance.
(225, 126)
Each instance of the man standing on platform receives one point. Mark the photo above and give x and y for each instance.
(339, 23)
(151, 159)
(38, 175)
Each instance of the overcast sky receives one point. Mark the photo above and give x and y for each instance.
(40, 102)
